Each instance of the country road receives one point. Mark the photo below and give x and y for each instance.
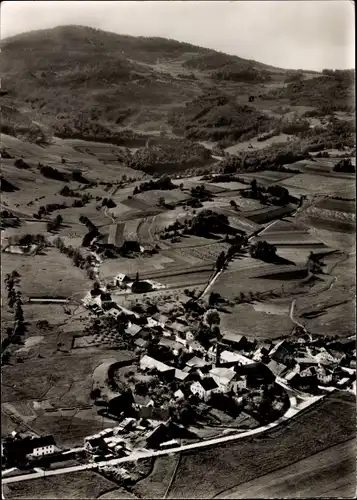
(135, 456)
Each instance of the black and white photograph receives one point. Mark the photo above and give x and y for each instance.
(178, 249)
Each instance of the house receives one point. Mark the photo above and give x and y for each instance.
(227, 379)
(234, 357)
(325, 358)
(121, 280)
(159, 319)
(182, 319)
(308, 383)
(276, 368)
(238, 342)
(20, 450)
(121, 403)
(133, 329)
(197, 362)
(95, 444)
(343, 345)
(181, 375)
(157, 436)
(177, 327)
(262, 352)
(257, 374)
(306, 361)
(281, 352)
(141, 342)
(204, 388)
(179, 395)
(149, 363)
(171, 344)
(113, 312)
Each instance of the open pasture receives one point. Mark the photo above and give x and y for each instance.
(311, 184)
(215, 470)
(48, 275)
(269, 213)
(247, 277)
(337, 205)
(260, 320)
(230, 186)
(266, 177)
(255, 144)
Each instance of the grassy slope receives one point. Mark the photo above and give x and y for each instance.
(115, 80)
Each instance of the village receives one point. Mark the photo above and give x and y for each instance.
(187, 376)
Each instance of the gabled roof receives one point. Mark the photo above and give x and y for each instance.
(235, 338)
(276, 368)
(133, 329)
(140, 342)
(172, 344)
(154, 363)
(229, 357)
(208, 384)
(225, 374)
(197, 362)
(180, 374)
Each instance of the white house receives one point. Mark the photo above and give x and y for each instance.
(42, 446)
(227, 379)
(204, 388)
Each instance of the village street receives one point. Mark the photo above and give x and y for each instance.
(293, 411)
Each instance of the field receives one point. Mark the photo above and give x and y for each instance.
(330, 473)
(156, 484)
(57, 402)
(260, 320)
(217, 470)
(50, 275)
(247, 145)
(311, 184)
(75, 485)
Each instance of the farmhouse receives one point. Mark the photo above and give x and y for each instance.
(119, 237)
(121, 279)
(227, 379)
(204, 388)
(239, 342)
(234, 357)
(281, 351)
(276, 368)
(149, 363)
(197, 362)
(257, 374)
(18, 450)
(159, 320)
(171, 344)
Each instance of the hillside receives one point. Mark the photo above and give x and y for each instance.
(75, 81)
(214, 116)
(63, 76)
